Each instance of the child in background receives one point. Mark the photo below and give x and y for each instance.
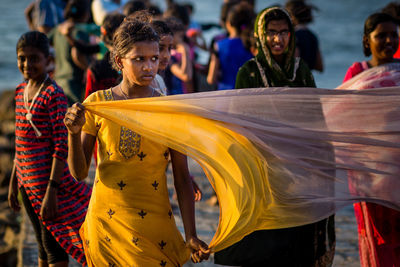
(71, 64)
(100, 74)
(178, 76)
(378, 226)
(232, 52)
(55, 203)
(165, 45)
(307, 46)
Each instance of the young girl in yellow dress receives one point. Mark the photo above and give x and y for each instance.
(130, 221)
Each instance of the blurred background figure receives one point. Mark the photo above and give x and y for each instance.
(44, 15)
(231, 53)
(70, 63)
(100, 8)
(307, 46)
(133, 6)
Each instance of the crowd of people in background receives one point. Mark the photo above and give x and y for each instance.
(91, 49)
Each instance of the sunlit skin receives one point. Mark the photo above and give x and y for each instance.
(383, 43)
(165, 45)
(33, 64)
(139, 67)
(278, 43)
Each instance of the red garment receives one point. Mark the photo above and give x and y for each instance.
(34, 157)
(378, 226)
(397, 55)
(93, 85)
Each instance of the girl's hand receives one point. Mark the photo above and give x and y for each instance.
(196, 191)
(200, 250)
(75, 118)
(49, 204)
(13, 195)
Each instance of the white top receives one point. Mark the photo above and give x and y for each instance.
(159, 85)
(100, 8)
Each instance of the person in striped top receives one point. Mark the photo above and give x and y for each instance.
(55, 202)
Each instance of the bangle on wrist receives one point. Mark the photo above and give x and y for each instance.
(54, 184)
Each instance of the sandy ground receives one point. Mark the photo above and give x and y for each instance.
(207, 221)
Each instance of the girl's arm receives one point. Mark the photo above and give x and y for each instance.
(183, 71)
(213, 68)
(184, 191)
(80, 144)
(13, 191)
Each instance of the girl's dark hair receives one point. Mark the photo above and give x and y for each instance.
(76, 9)
(370, 25)
(226, 6)
(34, 39)
(278, 14)
(130, 32)
(161, 28)
(110, 24)
(300, 11)
(241, 17)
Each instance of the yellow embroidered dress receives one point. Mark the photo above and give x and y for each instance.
(129, 221)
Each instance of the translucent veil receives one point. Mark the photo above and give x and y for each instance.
(279, 157)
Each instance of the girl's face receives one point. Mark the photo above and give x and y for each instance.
(278, 36)
(140, 64)
(165, 44)
(384, 41)
(32, 63)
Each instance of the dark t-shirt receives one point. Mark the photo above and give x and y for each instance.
(307, 43)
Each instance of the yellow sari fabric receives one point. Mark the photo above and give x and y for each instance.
(276, 157)
(129, 220)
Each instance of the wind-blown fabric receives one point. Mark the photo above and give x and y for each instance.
(268, 152)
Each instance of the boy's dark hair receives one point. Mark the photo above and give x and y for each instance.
(133, 6)
(178, 11)
(300, 11)
(161, 28)
(174, 24)
(370, 25)
(393, 9)
(34, 39)
(110, 24)
(130, 32)
(76, 9)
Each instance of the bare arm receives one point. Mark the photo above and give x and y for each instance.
(213, 69)
(80, 144)
(13, 191)
(29, 15)
(49, 204)
(184, 70)
(319, 65)
(184, 190)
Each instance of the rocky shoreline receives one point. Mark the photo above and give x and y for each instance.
(9, 221)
